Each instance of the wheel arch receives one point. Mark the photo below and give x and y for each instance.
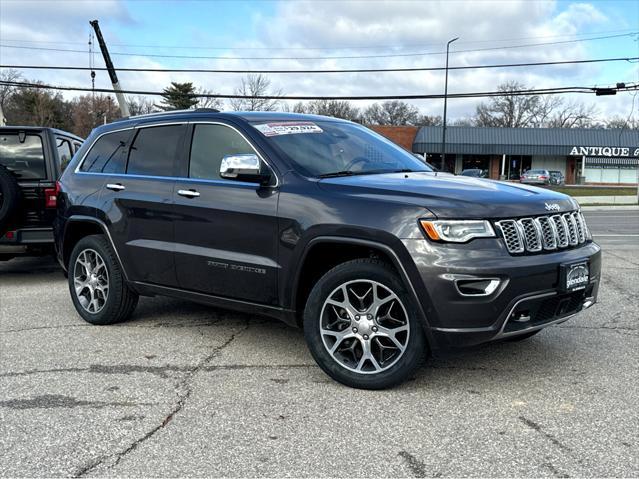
(80, 226)
(307, 274)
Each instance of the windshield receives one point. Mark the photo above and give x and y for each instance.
(330, 148)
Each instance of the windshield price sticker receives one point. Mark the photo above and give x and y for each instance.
(288, 128)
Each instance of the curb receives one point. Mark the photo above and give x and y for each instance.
(611, 207)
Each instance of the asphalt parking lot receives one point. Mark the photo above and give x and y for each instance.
(188, 390)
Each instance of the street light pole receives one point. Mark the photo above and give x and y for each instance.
(445, 105)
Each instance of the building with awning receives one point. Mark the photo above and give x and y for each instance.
(590, 156)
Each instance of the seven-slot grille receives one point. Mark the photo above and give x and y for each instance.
(543, 233)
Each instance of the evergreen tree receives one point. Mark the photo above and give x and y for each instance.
(177, 97)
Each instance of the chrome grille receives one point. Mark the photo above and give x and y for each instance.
(572, 229)
(562, 230)
(532, 235)
(548, 232)
(510, 231)
(543, 233)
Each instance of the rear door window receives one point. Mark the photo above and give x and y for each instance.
(23, 155)
(154, 150)
(65, 151)
(108, 153)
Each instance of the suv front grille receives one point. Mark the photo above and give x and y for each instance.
(543, 233)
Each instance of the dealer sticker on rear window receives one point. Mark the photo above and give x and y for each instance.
(288, 128)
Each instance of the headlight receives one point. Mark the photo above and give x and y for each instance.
(457, 231)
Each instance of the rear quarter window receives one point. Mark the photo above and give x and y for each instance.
(108, 153)
(23, 155)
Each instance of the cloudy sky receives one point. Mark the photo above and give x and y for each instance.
(301, 34)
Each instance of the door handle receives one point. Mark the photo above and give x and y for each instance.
(189, 193)
(115, 186)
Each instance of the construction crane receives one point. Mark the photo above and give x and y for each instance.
(124, 107)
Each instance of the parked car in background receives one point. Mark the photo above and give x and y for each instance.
(31, 160)
(475, 173)
(535, 177)
(422, 159)
(323, 224)
(557, 178)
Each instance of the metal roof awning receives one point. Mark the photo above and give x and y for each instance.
(525, 141)
(611, 162)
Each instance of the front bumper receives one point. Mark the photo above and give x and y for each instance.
(528, 296)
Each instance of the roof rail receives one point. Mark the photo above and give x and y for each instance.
(172, 112)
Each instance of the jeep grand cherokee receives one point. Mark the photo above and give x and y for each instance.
(323, 224)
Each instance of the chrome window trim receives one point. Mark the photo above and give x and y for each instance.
(134, 127)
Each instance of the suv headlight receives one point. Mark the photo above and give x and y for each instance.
(457, 231)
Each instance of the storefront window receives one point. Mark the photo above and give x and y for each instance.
(516, 165)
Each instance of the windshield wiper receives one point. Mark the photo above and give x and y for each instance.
(337, 173)
(365, 172)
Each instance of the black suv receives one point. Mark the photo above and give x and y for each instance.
(323, 224)
(31, 160)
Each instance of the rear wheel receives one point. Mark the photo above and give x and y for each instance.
(361, 326)
(98, 288)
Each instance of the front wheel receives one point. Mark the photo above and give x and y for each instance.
(362, 327)
(96, 283)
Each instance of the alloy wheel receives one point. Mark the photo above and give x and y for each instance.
(364, 326)
(91, 281)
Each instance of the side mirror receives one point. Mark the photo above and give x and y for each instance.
(243, 168)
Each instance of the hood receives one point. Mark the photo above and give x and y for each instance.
(449, 196)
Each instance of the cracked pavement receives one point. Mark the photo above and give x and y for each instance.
(186, 390)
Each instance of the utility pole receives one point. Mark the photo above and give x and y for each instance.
(3, 120)
(124, 107)
(445, 105)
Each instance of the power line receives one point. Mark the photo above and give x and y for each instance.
(541, 91)
(305, 48)
(346, 57)
(353, 70)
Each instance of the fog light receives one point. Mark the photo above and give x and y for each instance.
(477, 287)
(588, 302)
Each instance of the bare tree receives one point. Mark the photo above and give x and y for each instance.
(140, 105)
(618, 122)
(572, 115)
(89, 111)
(335, 108)
(393, 112)
(532, 111)
(38, 107)
(510, 110)
(209, 102)
(6, 91)
(253, 87)
(428, 120)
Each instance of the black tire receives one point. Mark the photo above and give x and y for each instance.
(522, 337)
(10, 198)
(120, 302)
(386, 278)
